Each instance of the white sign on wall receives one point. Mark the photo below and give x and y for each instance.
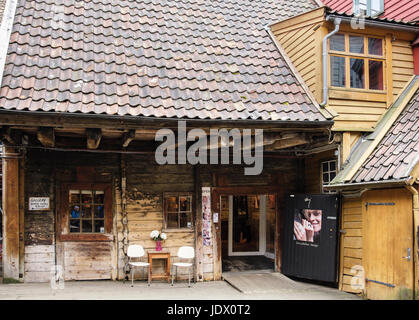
(38, 203)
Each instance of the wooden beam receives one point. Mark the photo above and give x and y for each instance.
(289, 141)
(128, 137)
(93, 138)
(10, 215)
(9, 135)
(46, 136)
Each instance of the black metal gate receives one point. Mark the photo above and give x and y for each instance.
(309, 239)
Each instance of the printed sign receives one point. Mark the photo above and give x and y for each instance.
(206, 216)
(308, 225)
(38, 203)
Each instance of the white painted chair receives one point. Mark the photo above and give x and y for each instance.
(184, 252)
(136, 251)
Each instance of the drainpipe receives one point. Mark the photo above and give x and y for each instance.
(415, 198)
(337, 24)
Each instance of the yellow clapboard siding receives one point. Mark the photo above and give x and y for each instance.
(359, 110)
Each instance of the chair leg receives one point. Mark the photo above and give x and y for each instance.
(189, 277)
(132, 276)
(173, 274)
(148, 280)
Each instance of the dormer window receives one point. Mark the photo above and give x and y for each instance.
(369, 8)
(356, 62)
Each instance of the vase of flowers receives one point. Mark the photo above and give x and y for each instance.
(158, 237)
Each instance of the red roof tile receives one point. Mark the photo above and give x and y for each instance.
(399, 10)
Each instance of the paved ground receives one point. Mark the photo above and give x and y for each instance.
(117, 290)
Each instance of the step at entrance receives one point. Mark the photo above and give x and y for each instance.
(260, 282)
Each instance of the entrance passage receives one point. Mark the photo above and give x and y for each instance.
(248, 232)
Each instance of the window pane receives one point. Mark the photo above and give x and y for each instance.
(185, 203)
(171, 203)
(99, 211)
(99, 197)
(356, 44)
(332, 165)
(376, 74)
(74, 196)
(184, 219)
(74, 225)
(325, 167)
(375, 46)
(86, 225)
(337, 67)
(86, 196)
(99, 226)
(86, 211)
(75, 212)
(337, 42)
(325, 178)
(332, 175)
(172, 220)
(357, 73)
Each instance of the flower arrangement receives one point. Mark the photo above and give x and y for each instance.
(158, 236)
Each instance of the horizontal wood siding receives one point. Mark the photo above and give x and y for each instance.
(39, 259)
(351, 243)
(87, 260)
(402, 65)
(146, 183)
(297, 36)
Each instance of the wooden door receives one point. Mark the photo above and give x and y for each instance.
(388, 235)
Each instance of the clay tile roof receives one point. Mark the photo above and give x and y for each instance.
(398, 151)
(158, 58)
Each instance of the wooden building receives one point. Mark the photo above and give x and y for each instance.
(85, 88)
(364, 74)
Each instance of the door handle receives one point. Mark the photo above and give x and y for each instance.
(408, 257)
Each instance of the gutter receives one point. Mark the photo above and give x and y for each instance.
(337, 22)
(376, 24)
(372, 184)
(5, 31)
(135, 120)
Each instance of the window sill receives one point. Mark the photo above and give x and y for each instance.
(86, 237)
(187, 230)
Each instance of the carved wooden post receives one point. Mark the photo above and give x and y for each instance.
(10, 214)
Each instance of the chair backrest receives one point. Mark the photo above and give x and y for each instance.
(135, 251)
(186, 252)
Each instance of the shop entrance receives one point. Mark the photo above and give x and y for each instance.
(248, 232)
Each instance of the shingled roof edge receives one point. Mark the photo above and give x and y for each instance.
(5, 32)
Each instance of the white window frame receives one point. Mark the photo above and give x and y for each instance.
(329, 171)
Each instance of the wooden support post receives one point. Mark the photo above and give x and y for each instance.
(10, 215)
(128, 137)
(93, 138)
(46, 136)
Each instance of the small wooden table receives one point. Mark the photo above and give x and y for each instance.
(159, 255)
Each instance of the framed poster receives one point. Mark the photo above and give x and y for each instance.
(206, 216)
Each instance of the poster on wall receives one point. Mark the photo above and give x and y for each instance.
(307, 226)
(38, 203)
(206, 216)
